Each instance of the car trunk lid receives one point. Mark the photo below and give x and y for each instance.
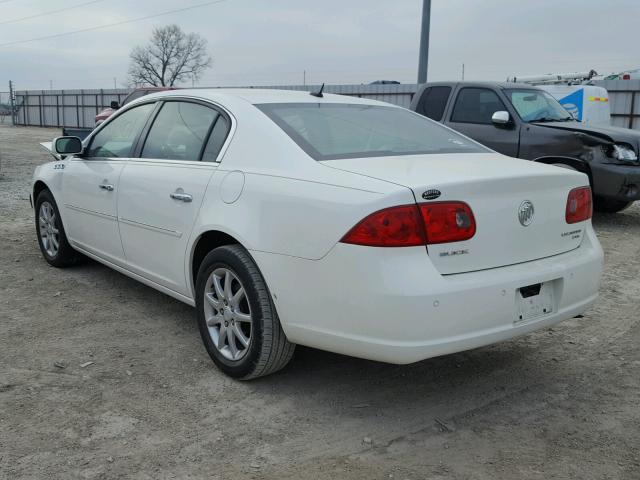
(497, 188)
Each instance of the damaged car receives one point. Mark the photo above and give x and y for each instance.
(529, 123)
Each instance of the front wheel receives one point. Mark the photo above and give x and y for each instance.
(51, 235)
(237, 320)
(608, 205)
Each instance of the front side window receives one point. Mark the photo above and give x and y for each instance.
(179, 131)
(537, 106)
(115, 139)
(476, 105)
(329, 131)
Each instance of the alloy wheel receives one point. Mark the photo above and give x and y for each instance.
(49, 233)
(228, 314)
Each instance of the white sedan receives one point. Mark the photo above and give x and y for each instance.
(339, 223)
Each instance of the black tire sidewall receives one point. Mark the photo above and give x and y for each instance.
(224, 257)
(609, 205)
(66, 254)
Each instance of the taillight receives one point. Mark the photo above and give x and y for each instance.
(413, 225)
(448, 222)
(579, 205)
(391, 227)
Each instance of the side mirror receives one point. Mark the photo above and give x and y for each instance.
(67, 145)
(115, 105)
(501, 118)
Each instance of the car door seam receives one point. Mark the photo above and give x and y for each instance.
(118, 184)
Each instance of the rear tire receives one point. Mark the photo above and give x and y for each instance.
(51, 235)
(608, 205)
(237, 320)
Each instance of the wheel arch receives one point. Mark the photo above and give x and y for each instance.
(203, 244)
(38, 187)
(579, 165)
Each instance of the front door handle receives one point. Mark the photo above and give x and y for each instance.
(106, 186)
(180, 195)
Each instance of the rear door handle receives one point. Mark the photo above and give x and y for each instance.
(180, 195)
(106, 186)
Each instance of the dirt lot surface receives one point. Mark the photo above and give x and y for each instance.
(560, 403)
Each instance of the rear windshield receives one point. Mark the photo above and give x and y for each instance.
(330, 131)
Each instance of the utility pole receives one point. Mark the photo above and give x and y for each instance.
(12, 102)
(304, 77)
(50, 84)
(463, 72)
(423, 57)
(114, 83)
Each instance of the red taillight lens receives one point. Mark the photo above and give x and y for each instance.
(412, 225)
(448, 222)
(391, 227)
(579, 205)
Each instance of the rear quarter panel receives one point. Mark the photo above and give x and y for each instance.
(295, 216)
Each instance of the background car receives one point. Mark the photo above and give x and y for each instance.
(338, 223)
(134, 95)
(527, 122)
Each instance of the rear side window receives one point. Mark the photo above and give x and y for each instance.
(476, 105)
(216, 139)
(179, 131)
(434, 101)
(330, 131)
(115, 139)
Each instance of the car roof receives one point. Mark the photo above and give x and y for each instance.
(264, 95)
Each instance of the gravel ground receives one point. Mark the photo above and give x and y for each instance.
(560, 403)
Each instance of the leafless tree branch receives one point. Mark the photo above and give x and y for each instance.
(171, 57)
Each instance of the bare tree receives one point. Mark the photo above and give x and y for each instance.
(172, 56)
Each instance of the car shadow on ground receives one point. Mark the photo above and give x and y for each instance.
(353, 387)
(627, 217)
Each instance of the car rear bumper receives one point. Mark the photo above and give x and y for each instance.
(391, 305)
(617, 182)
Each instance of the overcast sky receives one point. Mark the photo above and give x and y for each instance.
(259, 42)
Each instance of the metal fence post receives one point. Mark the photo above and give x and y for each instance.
(26, 105)
(40, 109)
(63, 105)
(12, 102)
(83, 108)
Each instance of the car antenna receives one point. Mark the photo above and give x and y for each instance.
(318, 93)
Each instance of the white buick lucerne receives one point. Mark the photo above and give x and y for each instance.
(339, 223)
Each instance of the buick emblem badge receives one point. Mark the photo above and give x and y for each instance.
(525, 213)
(431, 194)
